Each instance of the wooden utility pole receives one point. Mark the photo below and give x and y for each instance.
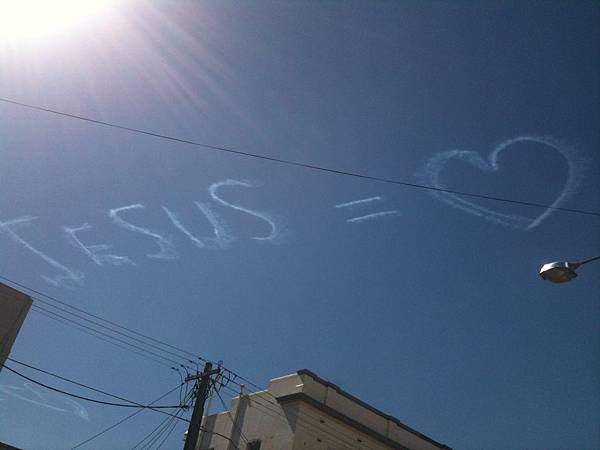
(191, 439)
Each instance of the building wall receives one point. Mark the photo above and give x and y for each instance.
(14, 307)
(320, 431)
(257, 416)
(335, 402)
(303, 412)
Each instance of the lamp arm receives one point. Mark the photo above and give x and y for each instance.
(588, 260)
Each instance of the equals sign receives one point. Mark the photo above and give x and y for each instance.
(370, 216)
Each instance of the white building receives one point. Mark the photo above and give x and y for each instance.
(304, 412)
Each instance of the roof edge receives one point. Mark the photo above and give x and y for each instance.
(371, 408)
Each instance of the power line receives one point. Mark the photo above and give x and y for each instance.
(167, 435)
(67, 305)
(335, 435)
(297, 163)
(124, 419)
(87, 399)
(47, 312)
(235, 425)
(111, 329)
(149, 406)
(106, 334)
(233, 375)
(137, 333)
(159, 430)
(332, 432)
(166, 432)
(76, 326)
(326, 429)
(134, 404)
(46, 372)
(73, 323)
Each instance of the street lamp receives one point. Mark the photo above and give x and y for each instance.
(562, 271)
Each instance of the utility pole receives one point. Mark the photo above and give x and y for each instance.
(194, 429)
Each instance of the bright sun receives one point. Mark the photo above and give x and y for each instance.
(26, 19)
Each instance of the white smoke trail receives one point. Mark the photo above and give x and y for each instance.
(22, 393)
(91, 250)
(167, 250)
(435, 165)
(69, 274)
(222, 238)
(374, 216)
(359, 202)
(273, 235)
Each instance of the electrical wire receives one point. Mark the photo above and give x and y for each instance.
(161, 432)
(296, 163)
(80, 397)
(274, 413)
(167, 435)
(137, 333)
(95, 333)
(181, 386)
(124, 419)
(205, 430)
(78, 327)
(84, 327)
(130, 404)
(149, 436)
(172, 423)
(62, 319)
(173, 426)
(235, 425)
(95, 323)
(231, 376)
(337, 436)
(171, 416)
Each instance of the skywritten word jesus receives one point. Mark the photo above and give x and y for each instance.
(222, 237)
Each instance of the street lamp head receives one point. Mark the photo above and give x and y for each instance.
(559, 271)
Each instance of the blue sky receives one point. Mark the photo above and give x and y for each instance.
(433, 312)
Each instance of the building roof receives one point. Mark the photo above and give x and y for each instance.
(370, 408)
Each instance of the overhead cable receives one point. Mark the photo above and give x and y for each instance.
(137, 333)
(95, 316)
(232, 377)
(155, 433)
(130, 404)
(336, 435)
(95, 334)
(173, 426)
(133, 338)
(234, 425)
(159, 429)
(108, 335)
(297, 163)
(124, 419)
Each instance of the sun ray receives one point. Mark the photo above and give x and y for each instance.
(31, 19)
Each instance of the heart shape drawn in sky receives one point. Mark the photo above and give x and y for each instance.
(436, 164)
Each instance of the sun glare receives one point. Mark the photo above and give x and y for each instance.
(30, 19)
